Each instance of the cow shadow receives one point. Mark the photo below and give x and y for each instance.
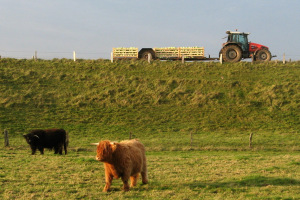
(249, 181)
(139, 187)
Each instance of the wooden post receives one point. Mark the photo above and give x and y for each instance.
(35, 55)
(149, 57)
(250, 140)
(182, 60)
(283, 60)
(130, 135)
(221, 59)
(6, 141)
(253, 59)
(112, 57)
(74, 56)
(191, 139)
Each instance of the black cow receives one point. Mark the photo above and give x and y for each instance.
(56, 139)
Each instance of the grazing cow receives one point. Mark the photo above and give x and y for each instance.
(56, 139)
(126, 159)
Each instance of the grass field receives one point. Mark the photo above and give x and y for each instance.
(172, 175)
(194, 119)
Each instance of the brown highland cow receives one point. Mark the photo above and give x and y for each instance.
(126, 159)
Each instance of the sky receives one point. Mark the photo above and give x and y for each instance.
(91, 28)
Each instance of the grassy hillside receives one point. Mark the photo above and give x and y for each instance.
(194, 120)
(157, 101)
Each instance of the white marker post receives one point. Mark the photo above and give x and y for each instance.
(74, 56)
(149, 57)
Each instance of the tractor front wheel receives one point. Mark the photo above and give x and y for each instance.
(231, 53)
(263, 55)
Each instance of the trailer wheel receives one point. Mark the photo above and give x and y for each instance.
(263, 55)
(231, 53)
(145, 55)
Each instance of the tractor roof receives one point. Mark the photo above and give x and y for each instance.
(236, 32)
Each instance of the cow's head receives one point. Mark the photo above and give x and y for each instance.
(105, 151)
(31, 139)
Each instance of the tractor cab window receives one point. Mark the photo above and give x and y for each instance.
(235, 38)
(243, 39)
(240, 38)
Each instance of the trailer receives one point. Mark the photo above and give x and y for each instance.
(161, 53)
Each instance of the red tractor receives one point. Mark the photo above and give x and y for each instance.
(237, 47)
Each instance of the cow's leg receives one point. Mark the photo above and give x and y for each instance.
(144, 177)
(133, 180)
(41, 150)
(60, 150)
(55, 150)
(125, 183)
(108, 180)
(65, 147)
(33, 150)
(144, 173)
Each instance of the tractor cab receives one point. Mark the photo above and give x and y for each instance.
(239, 38)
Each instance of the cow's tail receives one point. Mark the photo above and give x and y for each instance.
(66, 143)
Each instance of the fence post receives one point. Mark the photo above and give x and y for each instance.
(6, 141)
(74, 56)
(191, 138)
(221, 58)
(112, 57)
(250, 140)
(182, 60)
(35, 55)
(283, 60)
(149, 57)
(130, 135)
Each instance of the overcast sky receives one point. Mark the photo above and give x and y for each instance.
(56, 28)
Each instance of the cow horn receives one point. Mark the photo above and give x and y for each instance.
(96, 144)
(37, 136)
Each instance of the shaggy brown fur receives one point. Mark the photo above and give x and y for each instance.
(125, 159)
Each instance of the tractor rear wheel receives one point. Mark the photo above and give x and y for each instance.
(231, 53)
(263, 55)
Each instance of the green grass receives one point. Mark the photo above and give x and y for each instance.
(136, 96)
(194, 119)
(172, 175)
